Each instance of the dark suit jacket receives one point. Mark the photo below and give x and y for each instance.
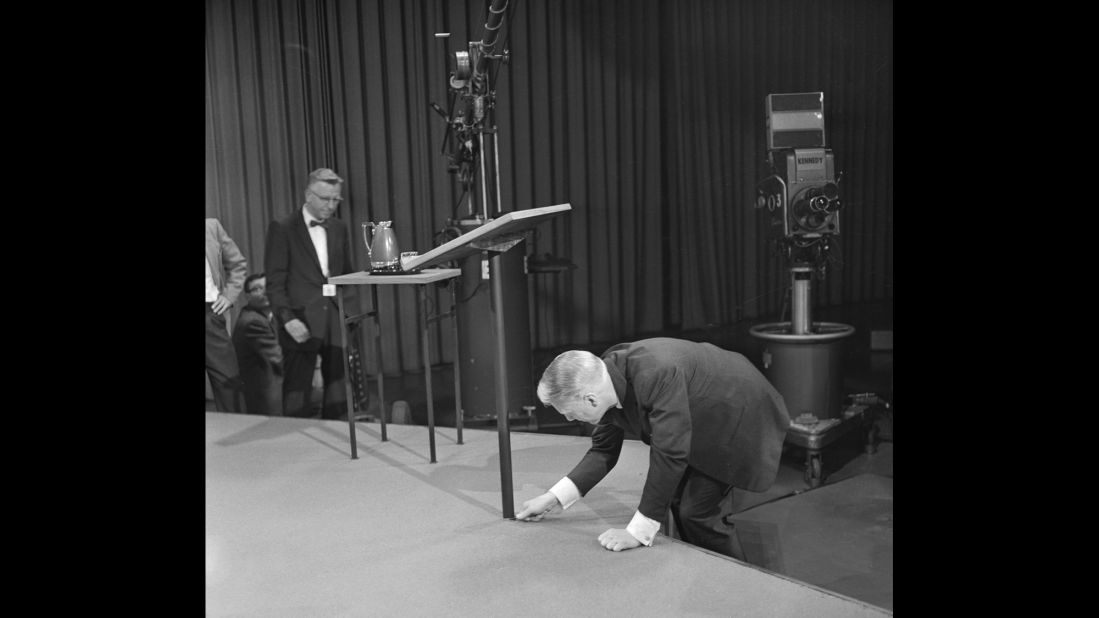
(260, 360)
(295, 279)
(693, 404)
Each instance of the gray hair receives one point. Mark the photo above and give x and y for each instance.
(322, 175)
(569, 376)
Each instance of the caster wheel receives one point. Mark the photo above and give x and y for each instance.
(872, 440)
(813, 472)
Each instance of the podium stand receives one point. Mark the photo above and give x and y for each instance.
(496, 237)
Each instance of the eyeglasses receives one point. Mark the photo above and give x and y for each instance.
(335, 199)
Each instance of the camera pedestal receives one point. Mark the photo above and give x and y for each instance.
(803, 360)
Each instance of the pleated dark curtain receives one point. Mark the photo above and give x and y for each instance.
(646, 115)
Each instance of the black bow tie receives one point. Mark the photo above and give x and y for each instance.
(320, 223)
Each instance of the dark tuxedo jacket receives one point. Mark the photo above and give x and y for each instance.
(260, 359)
(295, 279)
(693, 404)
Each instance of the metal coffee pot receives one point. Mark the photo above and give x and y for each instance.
(381, 245)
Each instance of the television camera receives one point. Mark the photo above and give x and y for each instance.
(472, 100)
(802, 358)
(802, 193)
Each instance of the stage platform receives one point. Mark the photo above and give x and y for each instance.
(295, 527)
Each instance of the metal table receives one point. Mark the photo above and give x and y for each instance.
(419, 279)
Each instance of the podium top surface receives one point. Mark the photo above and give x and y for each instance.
(428, 275)
(510, 223)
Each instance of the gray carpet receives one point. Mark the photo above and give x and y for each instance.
(295, 527)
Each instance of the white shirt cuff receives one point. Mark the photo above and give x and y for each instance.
(566, 492)
(643, 529)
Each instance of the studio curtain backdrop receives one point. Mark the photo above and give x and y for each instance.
(646, 115)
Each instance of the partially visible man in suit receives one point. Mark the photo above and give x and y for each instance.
(258, 350)
(711, 419)
(302, 251)
(225, 269)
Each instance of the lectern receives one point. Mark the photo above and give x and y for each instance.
(496, 237)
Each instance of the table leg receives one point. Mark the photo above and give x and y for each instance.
(378, 357)
(347, 376)
(421, 292)
(458, 413)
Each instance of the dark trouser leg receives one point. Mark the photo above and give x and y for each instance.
(297, 381)
(272, 395)
(252, 400)
(221, 364)
(701, 507)
(262, 390)
(332, 370)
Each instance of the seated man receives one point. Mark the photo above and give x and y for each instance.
(711, 419)
(258, 352)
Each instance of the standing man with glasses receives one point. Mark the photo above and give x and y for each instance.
(302, 251)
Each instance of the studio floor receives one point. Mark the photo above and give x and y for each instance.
(295, 527)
